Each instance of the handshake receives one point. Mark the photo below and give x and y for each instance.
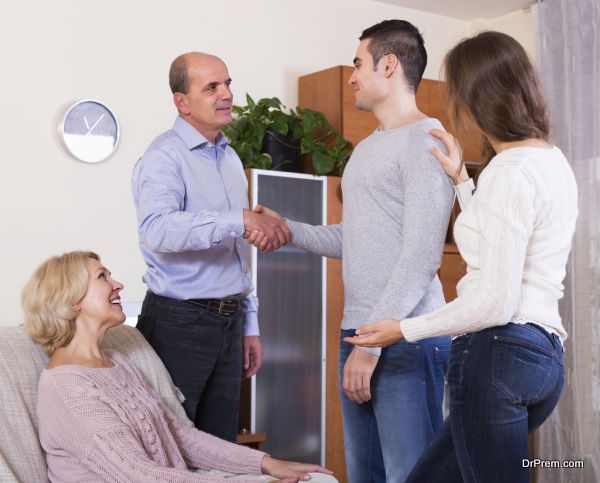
(265, 229)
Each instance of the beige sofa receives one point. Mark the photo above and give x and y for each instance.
(21, 361)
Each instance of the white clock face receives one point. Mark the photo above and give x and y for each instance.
(90, 131)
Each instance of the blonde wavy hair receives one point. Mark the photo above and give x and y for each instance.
(49, 298)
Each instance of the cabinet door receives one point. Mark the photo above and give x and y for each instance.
(288, 392)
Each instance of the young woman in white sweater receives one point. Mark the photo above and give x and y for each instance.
(514, 232)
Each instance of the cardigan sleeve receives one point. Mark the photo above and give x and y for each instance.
(200, 449)
(205, 451)
(464, 192)
(504, 208)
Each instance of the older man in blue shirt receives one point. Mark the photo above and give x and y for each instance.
(191, 197)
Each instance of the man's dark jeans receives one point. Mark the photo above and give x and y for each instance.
(202, 351)
(504, 382)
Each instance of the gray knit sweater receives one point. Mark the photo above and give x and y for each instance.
(397, 203)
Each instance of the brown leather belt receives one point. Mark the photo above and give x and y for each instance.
(218, 306)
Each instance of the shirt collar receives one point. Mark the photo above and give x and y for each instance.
(193, 138)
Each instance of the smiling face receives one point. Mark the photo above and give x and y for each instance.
(102, 301)
(370, 86)
(207, 104)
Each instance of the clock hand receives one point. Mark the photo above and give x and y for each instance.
(86, 122)
(94, 125)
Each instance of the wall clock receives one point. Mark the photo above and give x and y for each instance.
(90, 131)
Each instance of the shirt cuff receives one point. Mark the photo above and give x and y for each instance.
(294, 228)
(251, 324)
(374, 351)
(230, 224)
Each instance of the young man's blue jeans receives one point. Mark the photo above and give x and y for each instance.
(384, 437)
(503, 383)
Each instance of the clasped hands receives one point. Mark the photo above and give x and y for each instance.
(265, 229)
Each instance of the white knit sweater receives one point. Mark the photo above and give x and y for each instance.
(515, 235)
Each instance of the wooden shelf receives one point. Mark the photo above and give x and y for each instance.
(450, 248)
(252, 440)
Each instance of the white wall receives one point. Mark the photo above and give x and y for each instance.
(519, 24)
(55, 52)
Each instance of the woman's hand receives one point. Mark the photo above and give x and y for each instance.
(290, 470)
(452, 163)
(380, 334)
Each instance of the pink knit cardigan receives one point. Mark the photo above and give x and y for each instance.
(108, 424)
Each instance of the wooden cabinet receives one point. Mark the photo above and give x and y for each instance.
(328, 91)
(452, 270)
(334, 437)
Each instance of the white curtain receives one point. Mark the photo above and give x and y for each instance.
(569, 48)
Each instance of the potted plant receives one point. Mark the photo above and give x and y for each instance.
(267, 137)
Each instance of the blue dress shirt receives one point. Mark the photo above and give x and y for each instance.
(189, 195)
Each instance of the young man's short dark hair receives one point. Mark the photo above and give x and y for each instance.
(402, 39)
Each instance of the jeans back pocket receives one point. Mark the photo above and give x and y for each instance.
(521, 368)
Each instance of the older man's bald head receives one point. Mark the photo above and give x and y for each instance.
(178, 73)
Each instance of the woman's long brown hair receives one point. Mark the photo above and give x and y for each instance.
(493, 91)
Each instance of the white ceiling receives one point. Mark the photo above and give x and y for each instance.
(464, 9)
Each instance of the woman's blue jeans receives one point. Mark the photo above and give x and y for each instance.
(503, 383)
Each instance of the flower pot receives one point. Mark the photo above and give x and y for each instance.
(284, 151)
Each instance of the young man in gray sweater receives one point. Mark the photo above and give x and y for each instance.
(397, 202)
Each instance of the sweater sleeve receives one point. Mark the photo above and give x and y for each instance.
(325, 240)
(464, 192)
(428, 198)
(200, 449)
(504, 209)
(83, 423)
(207, 452)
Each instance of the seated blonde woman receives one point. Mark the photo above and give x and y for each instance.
(98, 418)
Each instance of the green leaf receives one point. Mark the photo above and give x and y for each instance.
(265, 161)
(298, 131)
(322, 163)
(274, 103)
(340, 142)
(280, 123)
(250, 101)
